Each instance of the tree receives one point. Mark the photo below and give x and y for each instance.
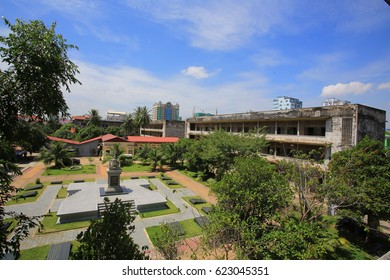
(39, 68)
(167, 242)
(57, 153)
(215, 153)
(307, 177)
(128, 125)
(156, 155)
(142, 117)
(249, 198)
(31, 86)
(94, 118)
(359, 182)
(89, 132)
(109, 238)
(65, 131)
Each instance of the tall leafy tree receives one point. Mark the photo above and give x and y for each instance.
(142, 117)
(89, 132)
(39, 68)
(94, 118)
(359, 182)
(249, 197)
(109, 238)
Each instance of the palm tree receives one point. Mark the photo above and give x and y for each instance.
(128, 124)
(57, 153)
(94, 117)
(142, 117)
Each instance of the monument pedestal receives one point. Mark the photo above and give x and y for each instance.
(114, 178)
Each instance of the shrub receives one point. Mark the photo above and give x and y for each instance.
(37, 181)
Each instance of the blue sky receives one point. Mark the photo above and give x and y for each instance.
(225, 56)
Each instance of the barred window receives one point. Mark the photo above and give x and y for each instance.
(346, 133)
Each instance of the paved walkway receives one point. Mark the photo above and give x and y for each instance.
(48, 201)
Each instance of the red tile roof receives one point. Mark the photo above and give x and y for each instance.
(52, 138)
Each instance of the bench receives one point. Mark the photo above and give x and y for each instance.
(207, 210)
(78, 181)
(197, 200)
(26, 194)
(202, 221)
(56, 182)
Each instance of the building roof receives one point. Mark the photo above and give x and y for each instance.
(152, 139)
(68, 141)
(80, 118)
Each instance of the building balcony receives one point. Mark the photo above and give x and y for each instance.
(283, 138)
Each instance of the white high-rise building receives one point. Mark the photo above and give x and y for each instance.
(334, 102)
(285, 103)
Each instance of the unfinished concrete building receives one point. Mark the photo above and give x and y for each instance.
(326, 129)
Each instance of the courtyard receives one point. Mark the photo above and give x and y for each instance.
(49, 201)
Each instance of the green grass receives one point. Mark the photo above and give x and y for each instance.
(13, 201)
(36, 253)
(136, 168)
(175, 186)
(85, 169)
(194, 176)
(190, 227)
(62, 192)
(171, 209)
(197, 206)
(50, 224)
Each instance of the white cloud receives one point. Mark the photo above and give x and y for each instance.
(341, 89)
(124, 88)
(384, 86)
(198, 72)
(216, 25)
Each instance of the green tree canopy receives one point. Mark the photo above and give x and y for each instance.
(359, 182)
(109, 238)
(56, 152)
(89, 132)
(215, 153)
(142, 116)
(249, 198)
(94, 118)
(38, 69)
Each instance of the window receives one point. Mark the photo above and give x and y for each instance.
(346, 132)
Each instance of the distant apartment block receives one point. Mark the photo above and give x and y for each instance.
(286, 103)
(116, 116)
(165, 112)
(326, 129)
(334, 102)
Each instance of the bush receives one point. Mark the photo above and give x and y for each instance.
(37, 181)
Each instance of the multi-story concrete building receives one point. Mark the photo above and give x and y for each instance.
(286, 103)
(334, 102)
(164, 129)
(327, 129)
(165, 112)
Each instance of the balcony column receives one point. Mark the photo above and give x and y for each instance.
(298, 128)
(276, 127)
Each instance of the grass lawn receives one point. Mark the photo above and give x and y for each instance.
(27, 199)
(190, 227)
(36, 253)
(62, 193)
(136, 168)
(176, 185)
(197, 206)
(194, 176)
(85, 169)
(171, 209)
(50, 224)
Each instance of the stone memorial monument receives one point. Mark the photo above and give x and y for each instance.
(114, 178)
